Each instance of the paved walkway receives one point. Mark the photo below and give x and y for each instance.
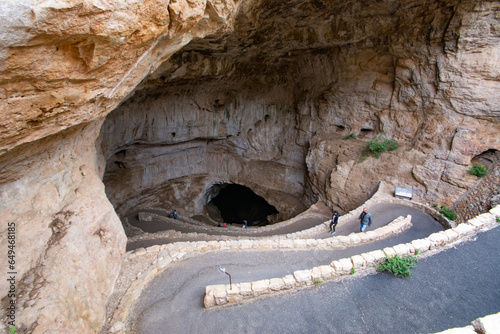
(214, 234)
(447, 290)
(382, 215)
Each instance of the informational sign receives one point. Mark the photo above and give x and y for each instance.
(403, 192)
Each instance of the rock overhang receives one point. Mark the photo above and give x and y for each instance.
(346, 67)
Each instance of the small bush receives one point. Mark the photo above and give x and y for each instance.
(400, 267)
(350, 136)
(498, 219)
(478, 170)
(447, 213)
(353, 271)
(380, 144)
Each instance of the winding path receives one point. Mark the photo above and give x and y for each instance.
(295, 227)
(382, 213)
(431, 301)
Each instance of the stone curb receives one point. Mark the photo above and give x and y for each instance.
(217, 295)
(149, 216)
(489, 324)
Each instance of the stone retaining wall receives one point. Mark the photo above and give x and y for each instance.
(384, 194)
(478, 199)
(149, 216)
(145, 216)
(223, 294)
(171, 253)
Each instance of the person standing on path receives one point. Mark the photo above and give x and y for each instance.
(365, 219)
(334, 221)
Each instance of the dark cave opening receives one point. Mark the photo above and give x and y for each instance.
(237, 203)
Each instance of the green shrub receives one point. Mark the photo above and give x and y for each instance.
(498, 219)
(353, 271)
(350, 136)
(400, 267)
(318, 282)
(478, 170)
(380, 144)
(447, 213)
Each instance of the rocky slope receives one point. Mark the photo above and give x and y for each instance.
(195, 93)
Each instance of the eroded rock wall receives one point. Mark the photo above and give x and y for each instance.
(66, 63)
(417, 72)
(63, 67)
(69, 241)
(183, 142)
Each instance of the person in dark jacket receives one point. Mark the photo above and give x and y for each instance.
(334, 221)
(365, 219)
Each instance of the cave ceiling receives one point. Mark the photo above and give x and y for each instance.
(270, 39)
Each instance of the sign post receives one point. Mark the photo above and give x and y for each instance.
(223, 270)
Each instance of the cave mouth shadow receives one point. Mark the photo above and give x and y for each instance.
(236, 203)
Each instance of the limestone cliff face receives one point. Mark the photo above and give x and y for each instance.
(417, 72)
(69, 241)
(181, 144)
(198, 92)
(64, 66)
(66, 63)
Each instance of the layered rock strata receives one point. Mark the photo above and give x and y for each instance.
(64, 66)
(254, 92)
(277, 92)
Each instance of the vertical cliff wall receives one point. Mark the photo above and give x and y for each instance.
(63, 67)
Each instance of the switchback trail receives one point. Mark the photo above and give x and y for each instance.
(447, 290)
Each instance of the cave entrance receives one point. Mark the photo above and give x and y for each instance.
(236, 203)
(487, 158)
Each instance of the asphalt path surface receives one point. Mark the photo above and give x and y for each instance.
(233, 232)
(382, 214)
(447, 290)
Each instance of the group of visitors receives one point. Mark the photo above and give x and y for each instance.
(364, 219)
